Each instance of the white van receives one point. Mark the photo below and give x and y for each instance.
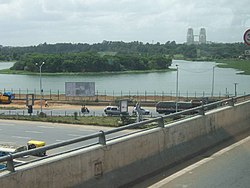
(112, 110)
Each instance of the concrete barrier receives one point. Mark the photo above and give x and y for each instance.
(128, 158)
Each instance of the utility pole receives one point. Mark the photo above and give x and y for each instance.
(41, 90)
(212, 93)
(235, 89)
(177, 77)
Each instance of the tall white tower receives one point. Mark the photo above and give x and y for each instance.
(202, 36)
(190, 36)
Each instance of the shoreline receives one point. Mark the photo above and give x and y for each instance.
(8, 71)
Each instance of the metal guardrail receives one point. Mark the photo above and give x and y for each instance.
(200, 110)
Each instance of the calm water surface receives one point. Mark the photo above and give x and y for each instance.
(193, 77)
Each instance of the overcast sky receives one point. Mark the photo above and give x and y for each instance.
(32, 22)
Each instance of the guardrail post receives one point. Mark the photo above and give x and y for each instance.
(161, 122)
(201, 111)
(102, 138)
(58, 95)
(19, 93)
(231, 102)
(10, 164)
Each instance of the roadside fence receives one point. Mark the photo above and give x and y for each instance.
(108, 96)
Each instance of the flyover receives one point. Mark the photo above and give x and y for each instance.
(117, 162)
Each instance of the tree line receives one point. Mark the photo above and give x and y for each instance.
(206, 51)
(90, 62)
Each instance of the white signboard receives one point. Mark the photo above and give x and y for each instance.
(247, 52)
(123, 106)
(85, 89)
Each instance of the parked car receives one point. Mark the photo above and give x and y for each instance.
(142, 111)
(112, 110)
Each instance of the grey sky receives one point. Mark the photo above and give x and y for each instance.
(31, 22)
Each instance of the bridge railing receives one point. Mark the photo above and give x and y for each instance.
(101, 135)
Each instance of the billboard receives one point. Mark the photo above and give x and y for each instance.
(84, 89)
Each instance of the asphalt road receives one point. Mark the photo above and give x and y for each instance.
(226, 168)
(20, 132)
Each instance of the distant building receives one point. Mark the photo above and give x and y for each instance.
(191, 37)
(202, 36)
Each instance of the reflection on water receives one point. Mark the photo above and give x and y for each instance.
(193, 77)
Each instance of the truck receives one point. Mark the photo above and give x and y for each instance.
(6, 97)
(168, 107)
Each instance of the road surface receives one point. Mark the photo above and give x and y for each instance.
(226, 168)
(20, 132)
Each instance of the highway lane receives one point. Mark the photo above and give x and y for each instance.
(20, 132)
(226, 168)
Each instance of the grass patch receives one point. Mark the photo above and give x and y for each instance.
(9, 108)
(241, 65)
(83, 120)
(8, 71)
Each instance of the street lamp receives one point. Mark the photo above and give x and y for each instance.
(177, 77)
(235, 89)
(41, 90)
(212, 94)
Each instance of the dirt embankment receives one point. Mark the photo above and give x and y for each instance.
(63, 102)
(21, 104)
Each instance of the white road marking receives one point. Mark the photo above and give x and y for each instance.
(36, 132)
(60, 140)
(4, 142)
(21, 137)
(74, 135)
(87, 130)
(46, 127)
(196, 165)
(10, 124)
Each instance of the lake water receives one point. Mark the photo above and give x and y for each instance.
(193, 77)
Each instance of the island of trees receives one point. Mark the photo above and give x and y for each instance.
(90, 62)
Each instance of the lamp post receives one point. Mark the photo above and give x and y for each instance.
(235, 89)
(41, 90)
(212, 93)
(177, 77)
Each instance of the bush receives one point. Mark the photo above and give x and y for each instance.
(42, 115)
(75, 115)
